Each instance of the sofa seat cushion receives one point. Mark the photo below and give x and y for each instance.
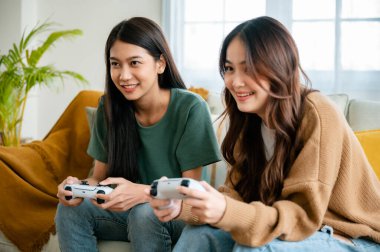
(370, 141)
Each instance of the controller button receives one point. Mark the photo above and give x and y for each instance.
(185, 182)
(153, 192)
(100, 201)
(68, 188)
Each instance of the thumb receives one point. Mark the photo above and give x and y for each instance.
(207, 186)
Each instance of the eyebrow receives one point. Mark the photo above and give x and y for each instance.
(241, 63)
(130, 58)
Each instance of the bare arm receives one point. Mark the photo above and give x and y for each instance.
(99, 174)
(195, 173)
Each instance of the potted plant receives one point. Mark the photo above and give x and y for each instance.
(20, 72)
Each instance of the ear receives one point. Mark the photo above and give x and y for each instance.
(161, 63)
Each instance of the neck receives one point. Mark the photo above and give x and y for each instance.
(151, 110)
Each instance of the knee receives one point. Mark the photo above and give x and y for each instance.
(67, 214)
(194, 233)
(141, 215)
(205, 236)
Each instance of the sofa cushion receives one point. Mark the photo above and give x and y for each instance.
(341, 100)
(363, 115)
(370, 141)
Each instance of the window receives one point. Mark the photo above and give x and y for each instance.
(338, 41)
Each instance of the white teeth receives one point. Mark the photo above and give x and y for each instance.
(245, 94)
(128, 85)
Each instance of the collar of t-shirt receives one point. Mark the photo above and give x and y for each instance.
(269, 140)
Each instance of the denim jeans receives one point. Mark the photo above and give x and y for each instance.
(206, 238)
(79, 228)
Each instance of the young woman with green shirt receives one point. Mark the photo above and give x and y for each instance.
(147, 125)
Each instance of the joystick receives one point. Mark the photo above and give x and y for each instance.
(84, 190)
(167, 189)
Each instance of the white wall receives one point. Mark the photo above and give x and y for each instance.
(84, 54)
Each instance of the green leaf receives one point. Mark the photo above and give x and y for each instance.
(19, 73)
(53, 37)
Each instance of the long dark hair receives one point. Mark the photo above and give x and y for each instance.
(122, 132)
(272, 54)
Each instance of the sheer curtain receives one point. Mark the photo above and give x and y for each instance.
(338, 41)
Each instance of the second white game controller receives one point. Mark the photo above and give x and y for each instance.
(167, 189)
(83, 190)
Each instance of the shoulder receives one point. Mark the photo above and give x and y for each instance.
(319, 107)
(321, 117)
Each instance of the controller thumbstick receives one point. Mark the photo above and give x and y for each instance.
(100, 201)
(185, 182)
(68, 188)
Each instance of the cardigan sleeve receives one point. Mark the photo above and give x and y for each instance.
(307, 188)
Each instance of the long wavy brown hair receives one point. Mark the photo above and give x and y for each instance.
(271, 54)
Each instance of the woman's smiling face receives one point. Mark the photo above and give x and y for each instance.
(133, 70)
(250, 96)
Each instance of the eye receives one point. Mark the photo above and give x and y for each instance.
(135, 63)
(227, 69)
(114, 64)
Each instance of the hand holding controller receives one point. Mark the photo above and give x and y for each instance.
(83, 190)
(167, 189)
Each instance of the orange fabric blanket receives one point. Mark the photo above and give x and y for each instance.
(30, 175)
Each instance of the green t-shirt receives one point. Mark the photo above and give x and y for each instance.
(182, 140)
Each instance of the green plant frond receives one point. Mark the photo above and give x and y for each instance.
(47, 74)
(10, 79)
(16, 53)
(76, 76)
(53, 37)
(19, 73)
(1, 60)
(39, 28)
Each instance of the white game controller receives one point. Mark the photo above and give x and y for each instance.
(167, 189)
(83, 190)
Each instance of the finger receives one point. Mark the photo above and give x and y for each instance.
(94, 202)
(113, 200)
(207, 186)
(116, 181)
(162, 213)
(147, 192)
(167, 218)
(194, 193)
(157, 203)
(194, 202)
(72, 202)
(62, 193)
(71, 180)
(106, 197)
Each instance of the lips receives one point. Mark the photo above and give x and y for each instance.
(129, 87)
(245, 94)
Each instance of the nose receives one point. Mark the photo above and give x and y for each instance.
(237, 81)
(125, 74)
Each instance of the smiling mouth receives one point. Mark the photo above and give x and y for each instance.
(244, 94)
(128, 85)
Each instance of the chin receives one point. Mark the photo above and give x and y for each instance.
(244, 109)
